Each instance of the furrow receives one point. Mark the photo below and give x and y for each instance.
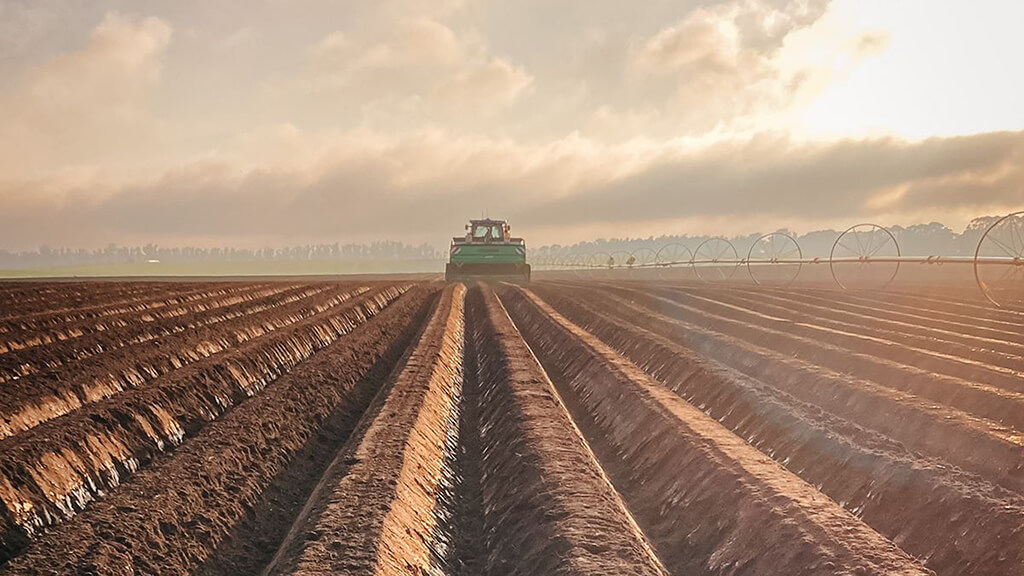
(921, 328)
(62, 354)
(712, 503)
(187, 508)
(39, 398)
(22, 340)
(996, 362)
(548, 506)
(979, 320)
(52, 313)
(895, 491)
(869, 359)
(973, 309)
(72, 297)
(51, 472)
(384, 505)
(984, 447)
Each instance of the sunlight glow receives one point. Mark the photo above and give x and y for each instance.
(948, 68)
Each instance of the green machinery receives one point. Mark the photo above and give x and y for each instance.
(487, 252)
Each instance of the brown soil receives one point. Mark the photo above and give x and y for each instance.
(64, 355)
(549, 508)
(391, 427)
(711, 502)
(19, 336)
(976, 444)
(35, 399)
(926, 366)
(54, 310)
(51, 471)
(895, 318)
(47, 349)
(469, 554)
(876, 478)
(170, 517)
(376, 509)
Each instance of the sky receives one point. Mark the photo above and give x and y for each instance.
(274, 122)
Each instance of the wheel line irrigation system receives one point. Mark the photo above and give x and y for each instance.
(857, 248)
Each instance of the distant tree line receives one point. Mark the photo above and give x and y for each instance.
(113, 254)
(933, 239)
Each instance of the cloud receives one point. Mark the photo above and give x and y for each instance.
(722, 62)
(769, 178)
(422, 186)
(485, 86)
(418, 42)
(421, 73)
(24, 23)
(872, 43)
(361, 121)
(86, 105)
(121, 61)
(239, 39)
(725, 38)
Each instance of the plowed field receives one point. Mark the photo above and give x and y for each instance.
(564, 428)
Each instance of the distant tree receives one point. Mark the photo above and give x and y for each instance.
(933, 239)
(967, 242)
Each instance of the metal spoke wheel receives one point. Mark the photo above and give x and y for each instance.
(599, 263)
(577, 264)
(555, 262)
(774, 259)
(643, 262)
(715, 260)
(644, 257)
(621, 260)
(670, 258)
(865, 256)
(999, 261)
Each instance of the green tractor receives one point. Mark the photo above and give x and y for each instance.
(487, 252)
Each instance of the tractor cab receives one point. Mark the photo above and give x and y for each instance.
(487, 231)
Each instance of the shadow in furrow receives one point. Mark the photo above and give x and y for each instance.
(254, 542)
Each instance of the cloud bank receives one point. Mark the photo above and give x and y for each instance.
(399, 120)
(424, 186)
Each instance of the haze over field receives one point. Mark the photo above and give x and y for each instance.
(279, 123)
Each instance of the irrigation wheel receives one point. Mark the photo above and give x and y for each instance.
(999, 261)
(718, 258)
(644, 259)
(577, 264)
(865, 256)
(671, 257)
(621, 260)
(597, 263)
(774, 259)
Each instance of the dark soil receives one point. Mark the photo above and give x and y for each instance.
(170, 517)
(349, 426)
